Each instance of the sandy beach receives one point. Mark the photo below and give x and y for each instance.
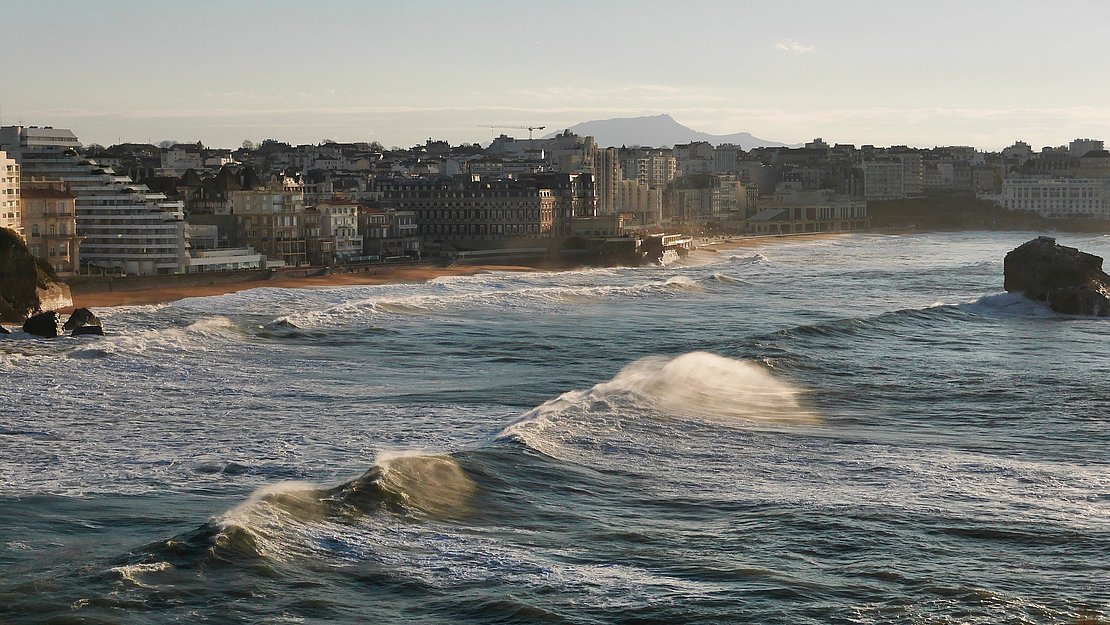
(704, 251)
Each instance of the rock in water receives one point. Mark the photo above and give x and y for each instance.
(1071, 281)
(27, 284)
(47, 325)
(83, 321)
(4, 330)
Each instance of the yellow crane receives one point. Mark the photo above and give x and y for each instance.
(528, 128)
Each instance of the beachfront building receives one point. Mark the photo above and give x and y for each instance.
(793, 210)
(1058, 198)
(338, 226)
(50, 220)
(389, 233)
(466, 213)
(272, 221)
(126, 226)
(10, 211)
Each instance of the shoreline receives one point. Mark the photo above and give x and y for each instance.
(387, 275)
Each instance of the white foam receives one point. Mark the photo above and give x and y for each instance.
(132, 573)
(693, 386)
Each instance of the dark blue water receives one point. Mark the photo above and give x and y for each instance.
(858, 429)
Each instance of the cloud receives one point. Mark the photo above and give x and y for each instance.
(793, 46)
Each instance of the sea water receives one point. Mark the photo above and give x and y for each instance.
(852, 429)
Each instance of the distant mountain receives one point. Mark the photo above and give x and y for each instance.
(660, 130)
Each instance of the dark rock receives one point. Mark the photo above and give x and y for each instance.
(47, 325)
(1069, 280)
(4, 330)
(28, 285)
(83, 321)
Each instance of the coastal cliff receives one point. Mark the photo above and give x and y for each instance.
(27, 284)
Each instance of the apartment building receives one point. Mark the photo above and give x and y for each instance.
(50, 220)
(465, 212)
(126, 226)
(10, 211)
(272, 221)
(1058, 197)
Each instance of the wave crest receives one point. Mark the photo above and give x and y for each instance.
(693, 386)
(410, 484)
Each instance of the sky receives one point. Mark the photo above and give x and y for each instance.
(983, 73)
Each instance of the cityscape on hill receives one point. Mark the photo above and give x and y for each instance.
(142, 209)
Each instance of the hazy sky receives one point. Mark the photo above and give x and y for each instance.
(981, 73)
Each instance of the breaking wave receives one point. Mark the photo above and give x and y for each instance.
(749, 259)
(695, 386)
(281, 520)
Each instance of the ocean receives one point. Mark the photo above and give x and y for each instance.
(859, 428)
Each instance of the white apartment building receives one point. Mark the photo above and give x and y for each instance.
(10, 210)
(339, 222)
(1058, 197)
(125, 225)
(180, 158)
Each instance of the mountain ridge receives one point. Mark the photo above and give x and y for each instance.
(660, 130)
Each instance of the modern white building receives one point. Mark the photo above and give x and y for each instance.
(1058, 197)
(226, 259)
(124, 224)
(10, 210)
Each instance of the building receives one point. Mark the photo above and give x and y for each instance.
(335, 238)
(50, 219)
(607, 178)
(272, 221)
(125, 225)
(699, 198)
(1079, 147)
(467, 213)
(10, 211)
(655, 168)
(1058, 197)
(389, 233)
(794, 210)
(883, 180)
(226, 259)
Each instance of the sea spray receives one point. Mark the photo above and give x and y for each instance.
(694, 386)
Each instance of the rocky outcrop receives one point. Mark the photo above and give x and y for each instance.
(1069, 280)
(82, 322)
(27, 284)
(47, 325)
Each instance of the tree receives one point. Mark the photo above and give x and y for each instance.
(167, 144)
(249, 145)
(376, 146)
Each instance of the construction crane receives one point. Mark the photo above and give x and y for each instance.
(528, 128)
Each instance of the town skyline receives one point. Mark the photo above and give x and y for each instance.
(870, 73)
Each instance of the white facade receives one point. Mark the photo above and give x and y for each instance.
(226, 259)
(180, 158)
(10, 208)
(339, 221)
(1058, 197)
(125, 225)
